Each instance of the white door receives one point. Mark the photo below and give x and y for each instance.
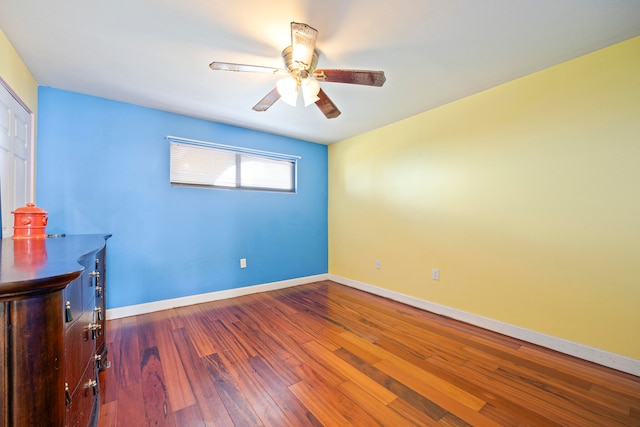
(16, 156)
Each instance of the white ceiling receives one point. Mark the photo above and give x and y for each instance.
(156, 53)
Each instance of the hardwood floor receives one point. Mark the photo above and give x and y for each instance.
(326, 354)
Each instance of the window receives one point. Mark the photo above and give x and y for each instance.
(205, 164)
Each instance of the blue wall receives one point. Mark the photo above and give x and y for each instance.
(103, 167)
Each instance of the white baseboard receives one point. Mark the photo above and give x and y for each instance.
(601, 357)
(134, 310)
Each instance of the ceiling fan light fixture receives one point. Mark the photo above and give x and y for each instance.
(300, 62)
(310, 89)
(303, 41)
(288, 90)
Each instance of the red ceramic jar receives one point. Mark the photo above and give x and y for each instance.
(30, 222)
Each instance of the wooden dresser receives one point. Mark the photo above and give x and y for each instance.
(52, 329)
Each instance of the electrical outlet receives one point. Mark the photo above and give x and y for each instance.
(378, 264)
(435, 274)
(243, 263)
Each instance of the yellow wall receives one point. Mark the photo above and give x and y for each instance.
(16, 74)
(525, 196)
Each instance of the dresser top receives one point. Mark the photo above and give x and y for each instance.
(29, 266)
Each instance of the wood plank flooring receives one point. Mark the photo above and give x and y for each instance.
(327, 355)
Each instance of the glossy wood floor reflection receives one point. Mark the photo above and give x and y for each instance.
(325, 354)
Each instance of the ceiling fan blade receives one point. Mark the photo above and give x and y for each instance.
(267, 101)
(227, 66)
(327, 106)
(358, 77)
(303, 43)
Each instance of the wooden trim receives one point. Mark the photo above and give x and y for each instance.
(585, 352)
(15, 96)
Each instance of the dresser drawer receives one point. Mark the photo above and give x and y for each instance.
(79, 348)
(88, 278)
(83, 399)
(100, 306)
(73, 306)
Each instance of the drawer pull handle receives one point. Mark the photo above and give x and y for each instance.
(67, 312)
(94, 385)
(94, 275)
(94, 327)
(100, 364)
(98, 291)
(67, 395)
(99, 316)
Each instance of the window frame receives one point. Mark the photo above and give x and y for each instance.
(240, 154)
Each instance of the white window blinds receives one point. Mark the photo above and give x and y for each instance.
(196, 163)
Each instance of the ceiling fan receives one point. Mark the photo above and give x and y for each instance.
(300, 61)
